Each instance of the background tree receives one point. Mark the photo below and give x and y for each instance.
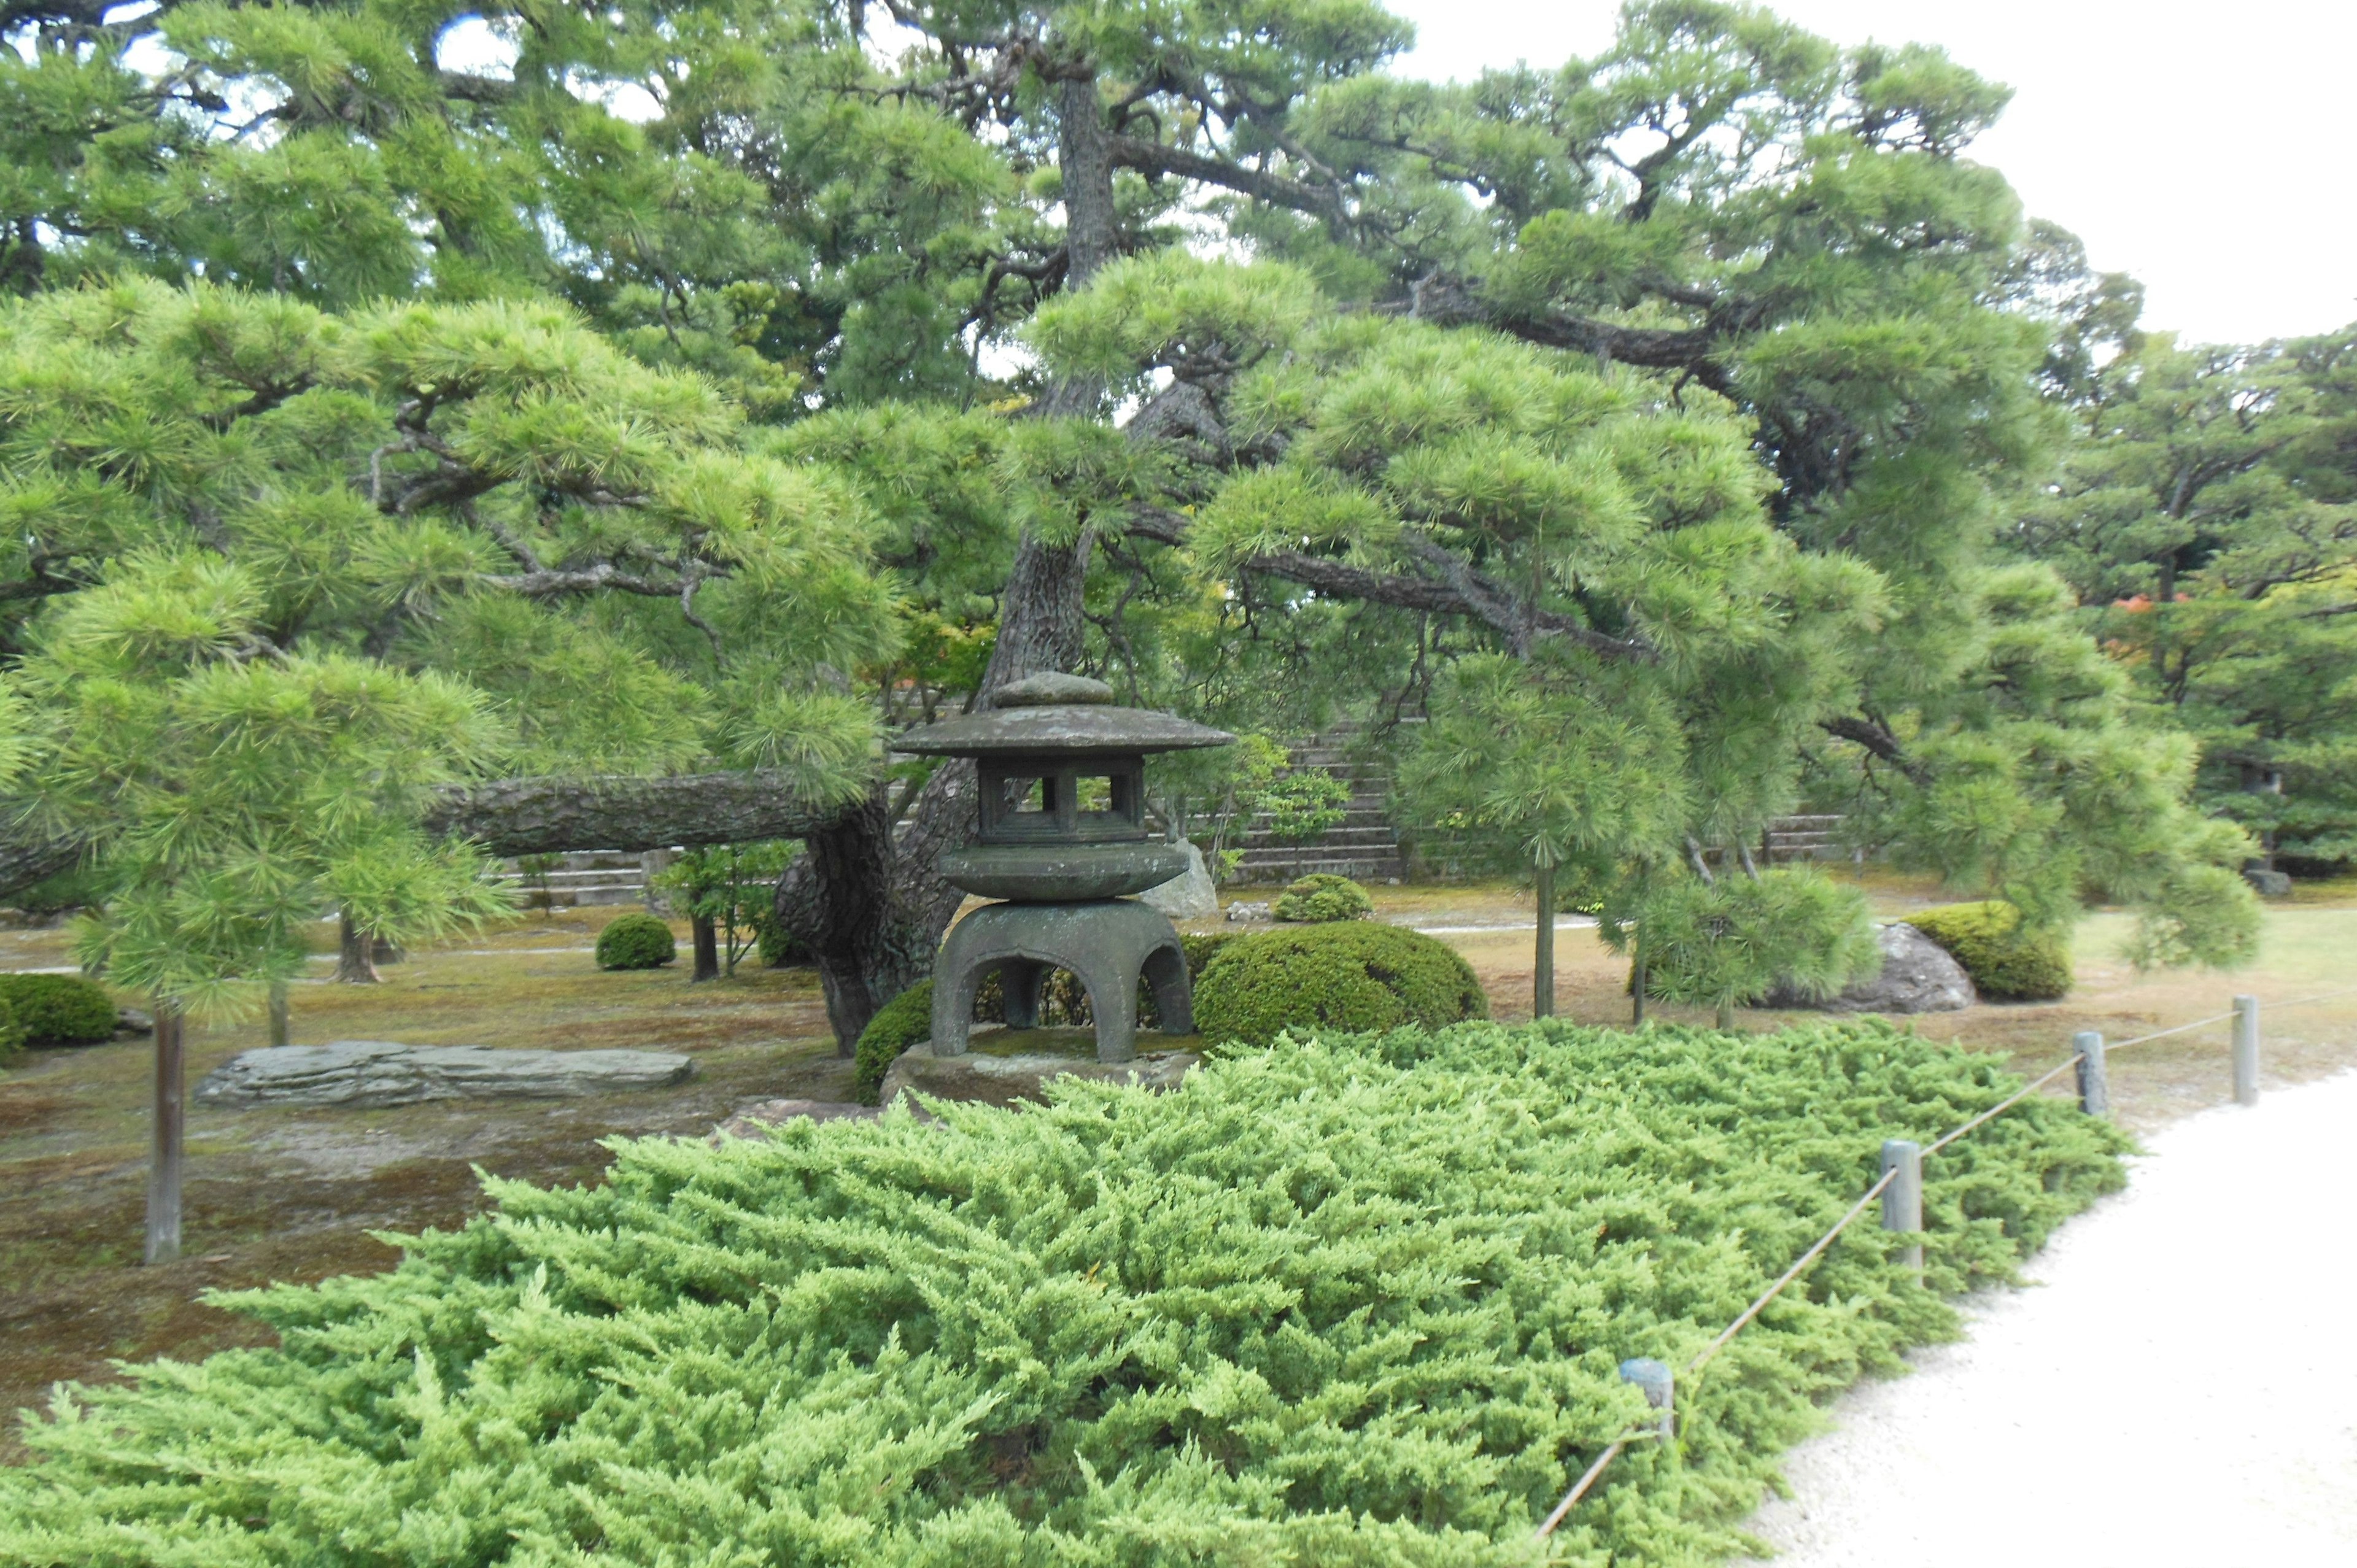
(2207, 519)
(723, 889)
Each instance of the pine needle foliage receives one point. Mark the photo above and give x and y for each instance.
(1358, 1302)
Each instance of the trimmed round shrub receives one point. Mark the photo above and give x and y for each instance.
(636, 941)
(1344, 976)
(1321, 896)
(2008, 961)
(58, 1009)
(901, 1023)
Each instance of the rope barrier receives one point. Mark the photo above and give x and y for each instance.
(1612, 1451)
(2008, 1103)
(2163, 1034)
(2312, 1001)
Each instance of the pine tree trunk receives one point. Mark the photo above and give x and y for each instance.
(1727, 1015)
(1637, 981)
(281, 1030)
(871, 911)
(708, 948)
(167, 1137)
(1543, 964)
(353, 966)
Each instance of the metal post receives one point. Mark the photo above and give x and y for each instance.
(1660, 1385)
(2246, 1050)
(1902, 1200)
(2094, 1089)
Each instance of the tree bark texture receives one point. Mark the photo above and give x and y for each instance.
(354, 966)
(708, 948)
(167, 1137)
(1543, 953)
(281, 1024)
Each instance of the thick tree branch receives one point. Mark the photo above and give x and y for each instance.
(548, 815)
(1877, 740)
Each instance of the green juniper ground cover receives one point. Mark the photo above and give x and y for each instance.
(1357, 1301)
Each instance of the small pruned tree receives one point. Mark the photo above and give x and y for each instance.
(723, 889)
(228, 790)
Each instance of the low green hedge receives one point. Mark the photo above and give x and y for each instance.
(636, 941)
(2007, 963)
(898, 1025)
(12, 1034)
(60, 1009)
(1347, 975)
(1353, 1303)
(1321, 896)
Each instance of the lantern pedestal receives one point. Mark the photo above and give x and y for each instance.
(1106, 943)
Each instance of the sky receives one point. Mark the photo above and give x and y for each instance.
(2201, 146)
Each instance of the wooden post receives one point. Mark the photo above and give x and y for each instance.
(280, 1027)
(1660, 1385)
(2246, 1050)
(1543, 968)
(2094, 1089)
(1902, 1200)
(164, 1158)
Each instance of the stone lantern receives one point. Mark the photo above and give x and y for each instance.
(1060, 837)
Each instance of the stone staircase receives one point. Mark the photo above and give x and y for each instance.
(582, 877)
(1803, 838)
(1363, 846)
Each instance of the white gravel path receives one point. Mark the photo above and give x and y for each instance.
(2180, 1389)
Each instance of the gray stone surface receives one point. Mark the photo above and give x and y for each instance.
(1189, 896)
(980, 1077)
(361, 1073)
(1070, 727)
(131, 1022)
(1061, 873)
(1051, 689)
(753, 1121)
(1240, 912)
(2268, 884)
(1108, 946)
(1918, 976)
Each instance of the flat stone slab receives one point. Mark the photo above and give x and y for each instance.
(752, 1120)
(990, 1079)
(361, 1073)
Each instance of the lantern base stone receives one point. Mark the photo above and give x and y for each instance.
(1107, 944)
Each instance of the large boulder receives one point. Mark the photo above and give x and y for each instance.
(379, 1072)
(993, 1080)
(1189, 896)
(1918, 976)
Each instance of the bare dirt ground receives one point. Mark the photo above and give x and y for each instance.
(293, 1195)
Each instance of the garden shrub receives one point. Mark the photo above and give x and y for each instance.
(637, 941)
(2008, 961)
(1345, 976)
(1321, 896)
(1313, 1307)
(898, 1025)
(12, 1033)
(60, 1009)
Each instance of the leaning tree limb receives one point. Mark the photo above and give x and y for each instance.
(547, 815)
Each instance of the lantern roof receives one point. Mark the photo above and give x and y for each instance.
(1050, 713)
